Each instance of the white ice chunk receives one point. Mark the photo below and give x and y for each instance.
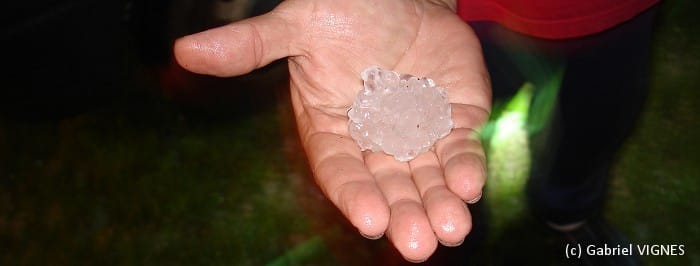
(399, 114)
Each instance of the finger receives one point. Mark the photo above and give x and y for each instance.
(409, 228)
(239, 47)
(461, 154)
(447, 213)
(341, 173)
(469, 116)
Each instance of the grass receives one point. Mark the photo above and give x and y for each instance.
(142, 181)
(656, 178)
(147, 187)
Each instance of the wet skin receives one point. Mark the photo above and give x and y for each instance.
(327, 44)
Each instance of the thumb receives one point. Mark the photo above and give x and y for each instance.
(237, 48)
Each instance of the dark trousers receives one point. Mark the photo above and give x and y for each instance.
(603, 81)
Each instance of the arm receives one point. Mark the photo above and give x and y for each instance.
(328, 43)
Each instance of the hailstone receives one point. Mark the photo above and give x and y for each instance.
(399, 114)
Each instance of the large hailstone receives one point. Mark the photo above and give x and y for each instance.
(399, 114)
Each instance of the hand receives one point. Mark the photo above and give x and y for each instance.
(328, 43)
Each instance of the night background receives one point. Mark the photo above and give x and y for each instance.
(110, 154)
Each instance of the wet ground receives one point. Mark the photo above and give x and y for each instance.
(166, 167)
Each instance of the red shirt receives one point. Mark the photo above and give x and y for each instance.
(553, 19)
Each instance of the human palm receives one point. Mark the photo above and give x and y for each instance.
(328, 43)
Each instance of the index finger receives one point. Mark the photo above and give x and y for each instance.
(342, 175)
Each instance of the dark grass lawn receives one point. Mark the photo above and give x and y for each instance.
(149, 180)
(657, 178)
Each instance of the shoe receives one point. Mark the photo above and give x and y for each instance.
(565, 228)
(597, 236)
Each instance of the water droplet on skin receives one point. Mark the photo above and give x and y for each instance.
(413, 237)
(449, 227)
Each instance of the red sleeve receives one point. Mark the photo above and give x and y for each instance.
(553, 19)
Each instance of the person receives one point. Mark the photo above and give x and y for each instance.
(327, 43)
(588, 62)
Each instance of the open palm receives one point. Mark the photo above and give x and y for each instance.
(328, 43)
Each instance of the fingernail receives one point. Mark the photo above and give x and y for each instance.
(475, 199)
(372, 237)
(451, 244)
(415, 261)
